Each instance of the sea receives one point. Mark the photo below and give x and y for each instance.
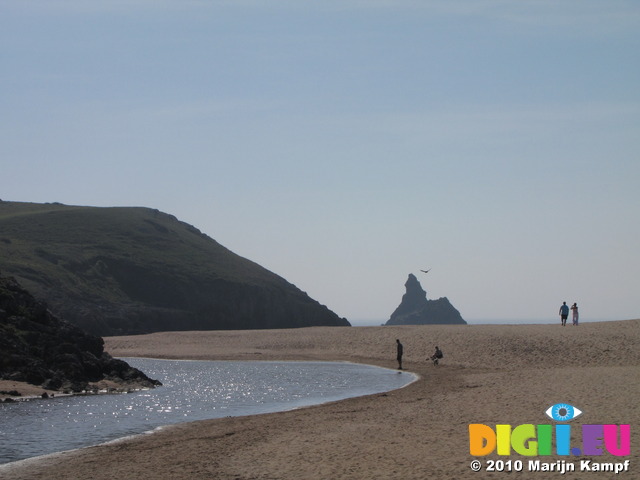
(191, 391)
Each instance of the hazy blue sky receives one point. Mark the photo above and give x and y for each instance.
(345, 144)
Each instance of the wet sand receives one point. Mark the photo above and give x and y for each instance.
(491, 374)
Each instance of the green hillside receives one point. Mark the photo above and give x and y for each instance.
(126, 270)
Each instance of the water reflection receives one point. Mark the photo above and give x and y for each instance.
(192, 390)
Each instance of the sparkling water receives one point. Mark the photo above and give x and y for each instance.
(192, 390)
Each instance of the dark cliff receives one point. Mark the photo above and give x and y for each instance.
(117, 271)
(38, 348)
(415, 309)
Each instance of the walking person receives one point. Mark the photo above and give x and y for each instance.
(574, 308)
(400, 351)
(564, 313)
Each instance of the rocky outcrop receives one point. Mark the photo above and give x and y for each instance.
(126, 270)
(415, 309)
(40, 349)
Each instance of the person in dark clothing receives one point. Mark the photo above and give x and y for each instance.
(437, 355)
(400, 350)
(564, 313)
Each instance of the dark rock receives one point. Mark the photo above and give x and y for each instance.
(13, 393)
(415, 309)
(54, 383)
(38, 348)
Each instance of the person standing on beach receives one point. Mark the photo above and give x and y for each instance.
(564, 313)
(574, 307)
(400, 350)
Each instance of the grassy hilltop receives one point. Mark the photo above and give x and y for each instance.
(126, 270)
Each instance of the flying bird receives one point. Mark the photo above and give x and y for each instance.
(425, 271)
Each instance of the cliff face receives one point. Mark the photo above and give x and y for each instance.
(415, 309)
(118, 271)
(38, 348)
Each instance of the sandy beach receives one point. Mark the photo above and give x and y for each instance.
(491, 374)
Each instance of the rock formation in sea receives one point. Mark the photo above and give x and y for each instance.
(40, 349)
(415, 309)
(129, 270)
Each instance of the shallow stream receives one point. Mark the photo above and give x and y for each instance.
(192, 390)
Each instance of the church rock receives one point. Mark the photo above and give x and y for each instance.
(415, 309)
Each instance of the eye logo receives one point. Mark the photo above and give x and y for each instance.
(562, 412)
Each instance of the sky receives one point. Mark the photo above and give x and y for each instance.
(345, 144)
